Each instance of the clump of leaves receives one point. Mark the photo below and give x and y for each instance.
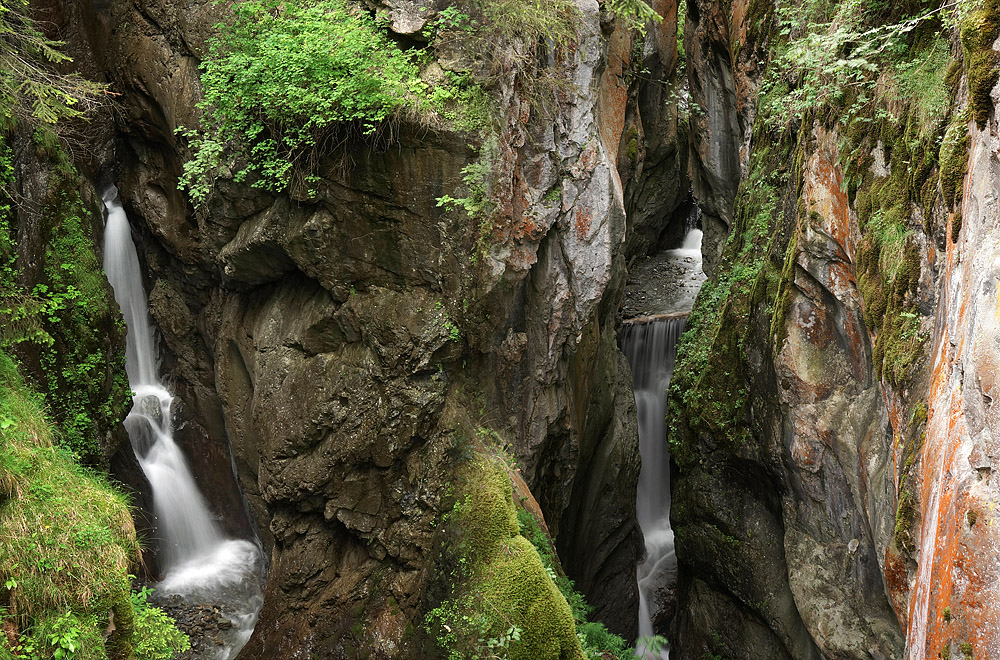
(31, 91)
(502, 42)
(827, 60)
(284, 78)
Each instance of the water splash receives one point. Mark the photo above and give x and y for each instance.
(199, 562)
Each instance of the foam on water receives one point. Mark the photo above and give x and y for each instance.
(197, 559)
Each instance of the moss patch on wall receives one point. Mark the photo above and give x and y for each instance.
(978, 31)
(503, 600)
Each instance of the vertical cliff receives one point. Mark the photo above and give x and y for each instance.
(829, 484)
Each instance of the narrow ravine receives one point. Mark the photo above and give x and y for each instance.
(649, 342)
(200, 564)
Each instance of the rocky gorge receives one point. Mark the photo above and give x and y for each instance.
(391, 394)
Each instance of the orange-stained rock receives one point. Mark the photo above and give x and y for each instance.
(524, 498)
(956, 598)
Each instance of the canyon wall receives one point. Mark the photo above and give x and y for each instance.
(831, 475)
(345, 350)
(830, 413)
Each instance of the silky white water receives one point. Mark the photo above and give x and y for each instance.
(650, 351)
(197, 559)
(650, 348)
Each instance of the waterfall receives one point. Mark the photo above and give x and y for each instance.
(197, 559)
(664, 291)
(650, 348)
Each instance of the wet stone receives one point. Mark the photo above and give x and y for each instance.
(203, 622)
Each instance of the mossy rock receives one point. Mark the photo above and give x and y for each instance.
(906, 509)
(954, 158)
(504, 583)
(978, 31)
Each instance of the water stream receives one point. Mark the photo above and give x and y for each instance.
(200, 564)
(649, 343)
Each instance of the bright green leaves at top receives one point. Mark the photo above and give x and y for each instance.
(285, 77)
(636, 14)
(836, 54)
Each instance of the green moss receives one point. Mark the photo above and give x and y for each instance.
(966, 650)
(506, 598)
(783, 299)
(971, 516)
(632, 150)
(898, 347)
(956, 226)
(953, 76)
(978, 31)
(954, 158)
(946, 651)
(947, 615)
(906, 509)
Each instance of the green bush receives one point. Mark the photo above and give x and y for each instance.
(157, 638)
(284, 78)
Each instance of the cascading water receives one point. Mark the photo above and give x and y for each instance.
(650, 350)
(649, 344)
(199, 562)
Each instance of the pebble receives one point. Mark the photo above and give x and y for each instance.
(203, 622)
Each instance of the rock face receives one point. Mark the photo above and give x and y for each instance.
(343, 346)
(954, 600)
(717, 133)
(829, 502)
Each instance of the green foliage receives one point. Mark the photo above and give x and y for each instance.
(636, 14)
(835, 56)
(66, 544)
(289, 83)
(531, 530)
(156, 635)
(283, 78)
(31, 91)
(919, 78)
(68, 315)
(66, 537)
(503, 42)
(477, 203)
(62, 636)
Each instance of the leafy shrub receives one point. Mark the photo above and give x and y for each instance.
(157, 638)
(283, 78)
(62, 636)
